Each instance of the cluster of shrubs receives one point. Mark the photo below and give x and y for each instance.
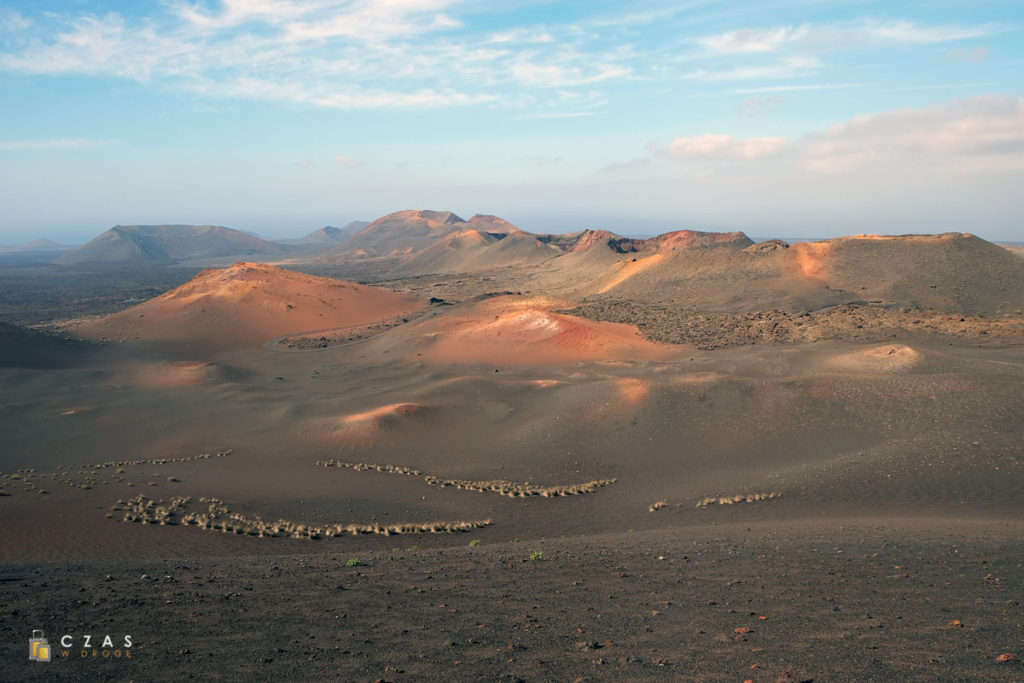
(152, 461)
(217, 517)
(739, 498)
(500, 486)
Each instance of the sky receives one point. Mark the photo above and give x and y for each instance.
(781, 118)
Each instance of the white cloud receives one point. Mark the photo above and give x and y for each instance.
(562, 76)
(321, 19)
(557, 115)
(375, 20)
(359, 54)
(848, 35)
(346, 161)
(789, 67)
(721, 147)
(759, 106)
(106, 45)
(795, 88)
(345, 54)
(975, 134)
(522, 35)
(235, 12)
(60, 143)
(909, 32)
(980, 134)
(418, 99)
(747, 41)
(13, 21)
(539, 160)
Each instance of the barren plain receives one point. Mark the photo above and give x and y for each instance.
(504, 456)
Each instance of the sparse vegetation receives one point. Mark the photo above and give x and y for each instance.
(88, 476)
(44, 294)
(217, 517)
(500, 486)
(353, 562)
(738, 498)
(474, 543)
(536, 556)
(863, 322)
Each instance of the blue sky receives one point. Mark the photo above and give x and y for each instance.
(779, 118)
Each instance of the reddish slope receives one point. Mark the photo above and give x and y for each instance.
(248, 304)
(515, 331)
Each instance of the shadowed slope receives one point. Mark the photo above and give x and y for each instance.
(22, 348)
(474, 251)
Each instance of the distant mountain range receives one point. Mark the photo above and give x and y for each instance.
(726, 271)
(168, 243)
(702, 270)
(125, 244)
(35, 245)
(327, 235)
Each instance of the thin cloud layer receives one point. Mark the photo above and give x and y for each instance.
(721, 147)
(368, 54)
(774, 110)
(981, 134)
(62, 143)
(357, 54)
(970, 135)
(819, 37)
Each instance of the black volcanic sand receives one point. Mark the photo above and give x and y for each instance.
(860, 600)
(899, 471)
